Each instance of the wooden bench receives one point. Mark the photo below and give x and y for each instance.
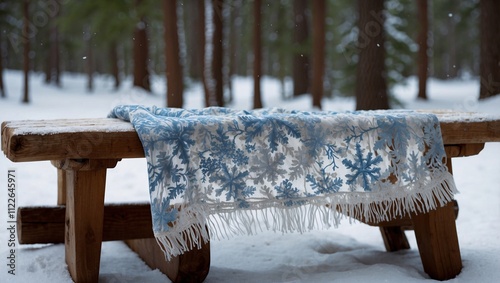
(83, 149)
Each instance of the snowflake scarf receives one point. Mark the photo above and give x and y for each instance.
(239, 172)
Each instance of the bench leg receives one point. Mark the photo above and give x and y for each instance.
(83, 183)
(192, 266)
(394, 238)
(84, 218)
(437, 241)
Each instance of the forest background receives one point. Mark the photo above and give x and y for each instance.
(325, 47)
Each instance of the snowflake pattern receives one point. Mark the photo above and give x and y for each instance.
(229, 159)
(365, 170)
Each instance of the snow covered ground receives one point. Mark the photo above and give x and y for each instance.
(350, 253)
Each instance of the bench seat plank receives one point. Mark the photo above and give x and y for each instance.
(468, 127)
(106, 138)
(39, 140)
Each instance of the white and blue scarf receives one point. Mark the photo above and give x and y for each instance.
(240, 172)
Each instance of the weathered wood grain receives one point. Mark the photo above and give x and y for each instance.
(108, 138)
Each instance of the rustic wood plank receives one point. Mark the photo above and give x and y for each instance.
(108, 138)
(467, 128)
(42, 225)
(70, 139)
(192, 266)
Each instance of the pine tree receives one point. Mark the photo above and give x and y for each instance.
(5, 11)
(53, 66)
(371, 84)
(490, 49)
(423, 58)
(257, 54)
(3, 93)
(141, 55)
(341, 63)
(26, 50)
(277, 24)
(113, 26)
(201, 32)
(174, 69)
(301, 51)
(217, 51)
(318, 19)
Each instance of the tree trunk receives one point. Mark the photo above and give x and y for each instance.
(48, 67)
(301, 55)
(283, 51)
(193, 45)
(489, 65)
(113, 59)
(26, 51)
(234, 30)
(201, 32)
(3, 92)
(217, 58)
(52, 67)
(257, 53)
(141, 56)
(423, 58)
(319, 14)
(57, 61)
(174, 70)
(451, 66)
(54, 53)
(89, 61)
(371, 85)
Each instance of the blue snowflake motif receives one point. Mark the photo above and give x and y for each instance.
(233, 182)
(433, 143)
(268, 167)
(167, 171)
(208, 166)
(163, 215)
(324, 184)
(287, 192)
(394, 134)
(278, 130)
(179, 138)
(362, 168)
(315, 141)
(417, 169)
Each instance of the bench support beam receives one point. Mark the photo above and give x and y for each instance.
(43, 225)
